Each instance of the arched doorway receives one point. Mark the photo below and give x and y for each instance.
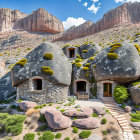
(81, 86)
(107, 90)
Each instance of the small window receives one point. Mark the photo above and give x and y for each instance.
(37, 84)
(71, 52)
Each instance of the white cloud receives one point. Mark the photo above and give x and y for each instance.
(117, 1)
(95, 0)
(79, 0)
(94, 9)
(85, 4)
(72, 21)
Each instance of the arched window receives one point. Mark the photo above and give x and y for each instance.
(71, 52)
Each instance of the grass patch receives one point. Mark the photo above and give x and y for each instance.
(48, 56)
(75, 130)
(85, 134)
(22, 62)
(58, 135)
(48, 135)
(47, 70)
(104, 121)
(29, 136)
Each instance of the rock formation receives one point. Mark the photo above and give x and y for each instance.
(125, 14)
(39, 20)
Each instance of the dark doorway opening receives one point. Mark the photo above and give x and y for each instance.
(37, 84)
(81, 86)
(107, 90)
(71, 52)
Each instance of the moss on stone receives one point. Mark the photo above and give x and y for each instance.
(87, 64)
(48, 56)
(78, 65)
(47, 70)
(85, 68)
(22, 62)
(112, 56)
(115, 46)
(78, 60)
(85, 51)
(137, 47)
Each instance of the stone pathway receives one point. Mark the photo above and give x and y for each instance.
(118, 113)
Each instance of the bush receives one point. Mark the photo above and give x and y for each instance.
(58, 135)
(136, 83)
(13, 123)
(48, 56)
(136, 132)
(38, 133)
(47, 136)
(43, 127)
(78, 65)
(47, 70)
(50, 104)
(85, 134)
(123, 106)
(135, 117)
(120, 94)
(67, 138)
(62, 110)
(85, 68)
(94, 115)
(22, 62)
(104, 132)
(42, 118)
(112, 56)
(85, 51)
(29, 136)
(75, 130)
(104, 121)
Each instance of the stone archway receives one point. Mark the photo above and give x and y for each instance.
(71, 52)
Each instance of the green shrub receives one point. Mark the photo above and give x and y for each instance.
(85, 51)
(85, 134)
(62, 110)
(123, 106)
(112, 56)
(22, 62)
(85, 68)
(120, 94)
(42, 118)
(75, 130)
(67, 138)
(104, 132)
(47, 70)
(135, 117)
(48, 56)
(94, 115)
(136, 106)
(29, 136)
(50, 104)
(38, 107)
(104, 121)
(58, 135)
(136, 132)
(48, 135)
(136, 83)
(78, 65)
(3, 116)
(38, 133)
(43, 127)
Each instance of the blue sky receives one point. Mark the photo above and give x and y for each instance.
(70, 12)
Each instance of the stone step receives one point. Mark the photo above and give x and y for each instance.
(124, 124)
(117, 111)
(117, 108)
(119, 116)
(123, 121)
(119, 119)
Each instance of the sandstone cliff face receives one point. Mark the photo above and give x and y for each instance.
(76, 32)
(8, 18)
(125, 14)
(39, 20)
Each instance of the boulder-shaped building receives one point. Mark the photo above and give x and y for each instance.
(43, 76)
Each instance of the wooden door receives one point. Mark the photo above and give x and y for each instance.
(107, 90)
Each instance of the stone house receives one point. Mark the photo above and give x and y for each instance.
(50, 74)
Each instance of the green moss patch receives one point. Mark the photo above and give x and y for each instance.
(137, 47)
(47, 70)
(22, 62)
(112, 56)
(135, 117)
(48, 56)
(86, 68)
(85, 51)
(78, 65)
(85, 134)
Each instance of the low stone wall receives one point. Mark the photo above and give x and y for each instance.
(49, 94)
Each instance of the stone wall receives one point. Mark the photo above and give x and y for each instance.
(49, 94)
(100, 88)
